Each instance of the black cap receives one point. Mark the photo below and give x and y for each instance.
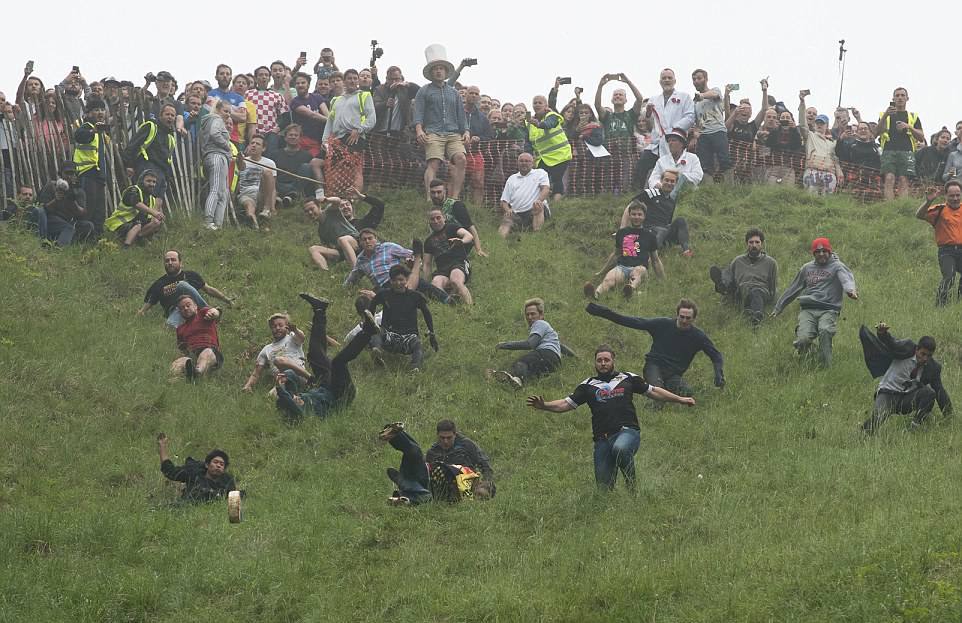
(164, 75)
(110, 80)
(95, 103)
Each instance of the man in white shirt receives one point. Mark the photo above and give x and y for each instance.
(524, 201)
(285, 352)
(255, 183)
(672, 109)
(680, 159)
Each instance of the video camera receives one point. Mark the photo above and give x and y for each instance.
(376, 52)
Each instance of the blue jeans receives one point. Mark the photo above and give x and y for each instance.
(175, 319)
(616, 452)
(52, 227)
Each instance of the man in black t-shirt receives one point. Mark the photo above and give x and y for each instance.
(175, 283)
(900, 133)
(634, 245)
(293, 159)
(399, 323)
(614, 423)
(446, 251)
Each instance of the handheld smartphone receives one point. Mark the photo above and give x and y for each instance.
(527, 116)
(892, 104)
(733, 87)
(806, 92)
(76, 69)
(566, 80)
(30, 66)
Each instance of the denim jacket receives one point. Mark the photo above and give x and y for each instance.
(439, 110)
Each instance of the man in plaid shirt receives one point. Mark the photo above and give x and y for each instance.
(269, 104)
(376, 259)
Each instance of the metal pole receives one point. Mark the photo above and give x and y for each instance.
(841, 59)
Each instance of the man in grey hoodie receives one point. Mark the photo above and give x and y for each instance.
(751, 279)
(216, 154)
(820, 284)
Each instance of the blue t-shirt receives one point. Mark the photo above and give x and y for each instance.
(549, 337)
(235, 99)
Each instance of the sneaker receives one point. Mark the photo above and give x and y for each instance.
(211, 227)
(361, 304)
(627, 291)
(508, 378)
(687, 253)
(589, 290)
(287, 201)
(369, 323)
(315, 302)
(390, 430)
(418, 247)
(189, 371)
(377, 355)
(398, 500)
(265, 213)
(715, 274)
(415, 371)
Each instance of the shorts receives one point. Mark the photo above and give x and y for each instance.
(898, 163)
(526, 218)
(627, 270)
(475, 163)
(310, 145)
(218, 357)
(443, 146)
(123, 230)
(464, 267)
(400, 344)
(249, 193)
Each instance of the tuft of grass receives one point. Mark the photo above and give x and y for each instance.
(763, 503)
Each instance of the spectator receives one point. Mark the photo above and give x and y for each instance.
(480, 130)
(350, 120)
(543, 346)
(666, 112)
(953, 163)
(62, 217)
(244, 115)
(635, 248)
(821, 283)
(29, 92)
(899, 132)
(822, 171)
(215, 152)
(197, 340)
(325, 65)
(137, 218)
(524, 201)
(590, 133)
(549, 145)
(677, 159)
(23, 206)
(619, 126)
(256, 189)
(393, 104)
(740, 124)
(785, 143)
(223, 76)
(751, 280)
(445, 259)
(399, 323)
(166, 87)
(92, 158)
(946, 221)
(861, 152)
(710, 112)
(930, 161)
(152, 148)
(614, 422)
(176, 282)
(338, 228)
(203, 482)
(295, 159)
(440, 123)
(193, 113)
(310, 112)
(281, 76)
(269, 104)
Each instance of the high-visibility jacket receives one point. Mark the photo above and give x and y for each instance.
(550, 146)
(125, 213)
(361, 99)
(884, 136)
(144, 152)
(86, 156)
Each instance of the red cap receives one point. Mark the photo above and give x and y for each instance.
(821, 242)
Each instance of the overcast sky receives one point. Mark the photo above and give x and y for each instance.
(519, 54)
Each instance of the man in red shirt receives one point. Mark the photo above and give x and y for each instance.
(197, 340)
(946, 220)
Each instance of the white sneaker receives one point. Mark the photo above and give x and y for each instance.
(265, 214)
(211, 227)
(508, 378)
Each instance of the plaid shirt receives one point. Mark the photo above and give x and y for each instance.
(377, 265)
(269, 105)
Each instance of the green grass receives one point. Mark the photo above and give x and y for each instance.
(763, 503)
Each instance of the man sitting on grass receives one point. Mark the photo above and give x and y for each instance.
(138, 217)
(197, 340)
(399, 324)
(543, 345)
(635, 247)
(203, 482)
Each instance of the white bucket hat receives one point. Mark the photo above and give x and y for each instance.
(435, 54)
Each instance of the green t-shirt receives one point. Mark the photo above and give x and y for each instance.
(621, 124)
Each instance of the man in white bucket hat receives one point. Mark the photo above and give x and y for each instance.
(440, 122)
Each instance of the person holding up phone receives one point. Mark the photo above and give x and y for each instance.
(900, 133)
(619, 125)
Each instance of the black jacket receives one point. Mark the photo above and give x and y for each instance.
(881, 350)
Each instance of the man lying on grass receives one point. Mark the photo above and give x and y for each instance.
(203, 482)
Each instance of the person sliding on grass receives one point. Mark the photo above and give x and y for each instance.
(614, 423)
(203, 481)
(543, 346)
(334, 386)
(197, 340)
(635, 247)
(399, 324)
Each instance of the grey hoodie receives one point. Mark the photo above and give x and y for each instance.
(953, 164)
(823, 286)
(213, 135)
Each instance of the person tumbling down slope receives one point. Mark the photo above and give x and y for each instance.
(543, 345)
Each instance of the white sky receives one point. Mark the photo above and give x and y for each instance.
(890, 44)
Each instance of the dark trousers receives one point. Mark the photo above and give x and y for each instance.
(431, 291)
(334, 373)
(676, 233)
(535, 363)
(950, 262)
(712, 150)
(919, 401)
(63, 232)
(659, 376)
(643, 168)
(556, 175)
(412, 479)
(94, 186)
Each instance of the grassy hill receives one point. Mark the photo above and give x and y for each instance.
(763, 503)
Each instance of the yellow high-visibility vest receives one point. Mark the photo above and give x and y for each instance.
(550, 146)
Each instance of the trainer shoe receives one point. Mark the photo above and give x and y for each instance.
(287, 201)
(369, 324)
(589, 290)
(265, 213)
(389, 431)
(627, 291)
(398, 500)
(508, 378)
(314, 301)
(715, 274)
